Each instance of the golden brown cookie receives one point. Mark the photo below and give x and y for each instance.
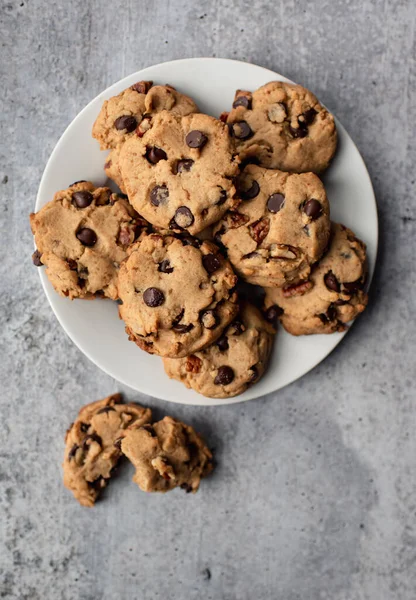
(177, 294)
(90, 452)
(166, 455)
(280, 229)
(283, 126)
(233, 363)
(82, 236)
(333, 295)
(179, 175)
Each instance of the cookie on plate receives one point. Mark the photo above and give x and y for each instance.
(82, 236)
(280, 229)
(283, 126)
(130, 114)
(177, 294)
(179, 175)
(333, 295)
(90, 452)
(233, 363)
(166, 455)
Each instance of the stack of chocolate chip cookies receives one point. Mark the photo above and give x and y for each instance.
(207, 205)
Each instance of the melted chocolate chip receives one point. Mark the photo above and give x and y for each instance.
(196, 139)
(242, 130)
(84, 427)
(126, 122)
(222, 198)
(352, 287)
(299, 132)
(225, 375)
(87, 236)
(244, 101)
(211, 262)
(73, 451)
(159, 195)
(36, 259)
(105, 409)
(154, 155)
(275, 203)
(331, 282)
(153, 297)
(142, 87)
(82, 199)
(222, 343)
(309, 115)
(183, 166)
(313, 209)
(72, 264)
(183, 217)
(273, 313)
(250, 193)
(164, 267)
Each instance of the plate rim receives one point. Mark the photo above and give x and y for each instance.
(202, 400)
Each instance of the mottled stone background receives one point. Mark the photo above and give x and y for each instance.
(314, 495)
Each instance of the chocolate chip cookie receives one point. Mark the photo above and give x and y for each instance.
(179, 175)
(233, 363)
(166, 455)
(283, 126)
(82, 236)
(280, 229)
(130, 114)
(91, 453)
(332, 296)
(177, 294)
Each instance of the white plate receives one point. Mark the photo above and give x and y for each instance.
(95, 327)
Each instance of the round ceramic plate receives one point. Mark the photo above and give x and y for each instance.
(95, 327)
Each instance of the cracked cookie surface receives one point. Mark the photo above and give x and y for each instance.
(233, 363)
(82, 236)
(179, 175)
(283, 126)
(177, 294)
(333, 295)
(280, 229)
(166, 455)
(90, 453)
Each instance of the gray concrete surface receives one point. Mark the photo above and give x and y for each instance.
(314, 495)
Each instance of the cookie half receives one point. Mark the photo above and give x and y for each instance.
(90, 450)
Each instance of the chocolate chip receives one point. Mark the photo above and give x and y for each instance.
(105, 409)
(340, 302)
(154, 155)
(126, 122)
(222, 343)
(308, 116)
(273, 313)
(189, 240)
(72, 264)
(242, 101)
(225, 375)
(153, 297)
(330, 315)
(182, 327)
(236, 328)
(299, 132)
(36, 258)
(183, 217)
(250, 193)
(222, 198)
(159, 195)
(352, 287)
(211, 262)
(254, 374)
(164, 267)
(313, 209)
(242, 130)
(79, 181)
(142, 87)
(186, 487)
(275, 203)
(73, 451)
(331, 282)
(82, 199)
(183, 166)
(209, 319)
(84, 427)
(86, 236)
(91, 438)
(196, 139)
